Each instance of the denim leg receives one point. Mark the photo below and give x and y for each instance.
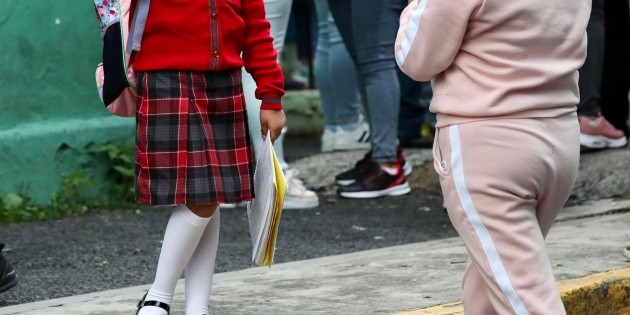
(375, 25)
(591, 71)
(341, 11)
(335, 73)
(344, 73)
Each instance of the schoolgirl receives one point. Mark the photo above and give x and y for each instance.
(193, 148)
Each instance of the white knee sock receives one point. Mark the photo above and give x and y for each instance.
(182, 235)
(200, 268)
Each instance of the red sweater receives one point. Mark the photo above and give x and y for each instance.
(212, 35)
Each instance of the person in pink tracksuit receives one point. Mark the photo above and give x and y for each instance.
(505, 89)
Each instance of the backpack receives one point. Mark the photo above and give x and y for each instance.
(115, 78)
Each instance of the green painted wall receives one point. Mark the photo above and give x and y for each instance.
(49, 107)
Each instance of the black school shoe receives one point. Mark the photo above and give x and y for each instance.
(159, 304)
(377, 183)
(8, 277)
(363, 167)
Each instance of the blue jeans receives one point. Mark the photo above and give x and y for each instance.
(369, 28)
(335, 73)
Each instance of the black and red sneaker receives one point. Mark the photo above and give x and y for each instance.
(363, 167)
(360, 169)
(377, 183)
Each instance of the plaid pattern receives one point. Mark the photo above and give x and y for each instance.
(192, 140)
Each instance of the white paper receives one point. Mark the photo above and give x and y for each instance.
(260, 209)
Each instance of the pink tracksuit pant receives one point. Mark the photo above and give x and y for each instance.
(504, 182)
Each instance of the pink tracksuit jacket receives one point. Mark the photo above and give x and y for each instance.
(495, 58)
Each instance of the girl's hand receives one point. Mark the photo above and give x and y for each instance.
(272, 120)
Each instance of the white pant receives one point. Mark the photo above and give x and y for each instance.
(278, 12)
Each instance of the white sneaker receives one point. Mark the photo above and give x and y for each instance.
(328, 140)
(297, 196)
(359, 138)
(233, 205)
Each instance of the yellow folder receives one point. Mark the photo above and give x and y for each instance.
(265, 210)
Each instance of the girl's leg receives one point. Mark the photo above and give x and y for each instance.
(200, 268)
(474, 290)
(183, 232)
(277, 12)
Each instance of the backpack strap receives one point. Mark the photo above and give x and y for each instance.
(136, 30)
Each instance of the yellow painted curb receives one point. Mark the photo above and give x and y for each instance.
(597, 294)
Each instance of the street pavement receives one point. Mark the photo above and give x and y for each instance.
(588, 239)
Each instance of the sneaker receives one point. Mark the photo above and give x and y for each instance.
(597, 133)
(363, 167)
(328, 140)
(377, 184)
(297, 196)
(233, 205)
(360, 169)
(8, 277)
(626, 252)
(356, 139)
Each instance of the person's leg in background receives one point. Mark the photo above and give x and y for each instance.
(305, 21)
(336, 80)
(412, 111)
(278, 16)
(616, 75)
(595, 131)
(341, 11)
(297, 195)
(374, 28)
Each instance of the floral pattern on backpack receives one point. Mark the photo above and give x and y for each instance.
(107, 12)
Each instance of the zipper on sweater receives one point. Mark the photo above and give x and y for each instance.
(214, 34)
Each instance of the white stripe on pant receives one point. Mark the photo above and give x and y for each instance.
(504, 182)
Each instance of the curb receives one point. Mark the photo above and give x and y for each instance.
(596, 294)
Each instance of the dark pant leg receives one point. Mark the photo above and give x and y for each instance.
(591, 72)
(616, 75)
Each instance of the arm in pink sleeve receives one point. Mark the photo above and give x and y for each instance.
(430, 35)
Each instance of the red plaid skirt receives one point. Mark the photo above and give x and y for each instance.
(192, 139)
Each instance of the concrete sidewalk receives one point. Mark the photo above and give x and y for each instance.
(586, 240)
